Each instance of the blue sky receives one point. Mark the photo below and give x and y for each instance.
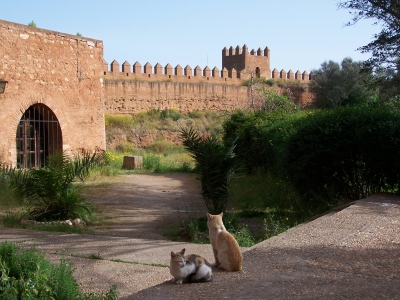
(300, 34)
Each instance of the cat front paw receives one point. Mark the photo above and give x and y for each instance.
(179, 281)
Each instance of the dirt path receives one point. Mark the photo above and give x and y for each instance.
(145, 205)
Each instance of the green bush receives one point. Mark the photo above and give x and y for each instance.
(50, 192)
(170, 113)
(271, 101)
(26, 274)
(345, 154)
(260, 137)
(259, 81)
(196, 114)
(152, 162)
(161, 146)
(326, 155)
(119, 121)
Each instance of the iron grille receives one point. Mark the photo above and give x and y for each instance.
(38, 136)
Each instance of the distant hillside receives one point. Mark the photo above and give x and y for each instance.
(145, 129)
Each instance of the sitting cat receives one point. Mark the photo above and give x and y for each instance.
(189, 268)
(225, 247)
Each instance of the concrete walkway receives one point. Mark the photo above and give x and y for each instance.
(353, 253)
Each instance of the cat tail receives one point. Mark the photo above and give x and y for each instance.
(207, 263)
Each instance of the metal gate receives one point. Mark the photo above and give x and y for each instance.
(38, 136)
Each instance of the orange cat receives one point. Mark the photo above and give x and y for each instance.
(226, 249)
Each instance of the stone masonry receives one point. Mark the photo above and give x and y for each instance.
(60, 71)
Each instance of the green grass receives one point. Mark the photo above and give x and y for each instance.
(176, 160)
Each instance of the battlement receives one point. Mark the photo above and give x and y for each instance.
(168, 73)
(245, 51)
(238, 64)
(196, 75)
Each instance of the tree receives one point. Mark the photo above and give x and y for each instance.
(32, 24)
(337, 84)
(269, 100)
(388, 84)
(385, 47)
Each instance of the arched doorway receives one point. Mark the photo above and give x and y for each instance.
(38, 136)
(258, 72)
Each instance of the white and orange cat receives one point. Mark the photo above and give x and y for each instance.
(225, 247)
(189, 268)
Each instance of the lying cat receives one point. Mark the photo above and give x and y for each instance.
(189, 268)
(226, 249)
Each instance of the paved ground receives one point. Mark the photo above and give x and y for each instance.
(353, 253)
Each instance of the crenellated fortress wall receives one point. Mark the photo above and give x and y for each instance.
(131, 89)
(238, 64)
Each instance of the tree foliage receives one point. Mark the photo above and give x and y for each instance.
(270, 100)
(337, 84)
(385, 48)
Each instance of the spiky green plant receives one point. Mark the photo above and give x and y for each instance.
(51, 192)
(215, 165)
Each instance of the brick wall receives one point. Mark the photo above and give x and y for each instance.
(63, 72)
(133, 96)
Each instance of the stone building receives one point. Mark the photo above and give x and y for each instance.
(54, 99)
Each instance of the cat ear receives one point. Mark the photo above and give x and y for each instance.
(183, 251)
(209, 216)
(221, 214)
(172, 254)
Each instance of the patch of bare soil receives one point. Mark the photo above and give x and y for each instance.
(145, 205)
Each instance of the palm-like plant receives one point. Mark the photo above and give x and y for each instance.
(215, 165)
(51, 192)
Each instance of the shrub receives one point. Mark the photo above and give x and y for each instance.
(26, 274)
(152, 162)
(347, 154)
(327, 156)
(119, 121)
(50, 191)
(243, 236)
(258, 81)
(215, 165)
(260, 137)
(161, 146)
(196, 114)
(170, 113)
(125, 147)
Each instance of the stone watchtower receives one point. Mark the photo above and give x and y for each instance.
(253, 64)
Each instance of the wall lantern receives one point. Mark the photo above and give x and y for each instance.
(3, 84)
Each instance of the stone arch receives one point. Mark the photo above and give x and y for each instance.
(48, 117)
